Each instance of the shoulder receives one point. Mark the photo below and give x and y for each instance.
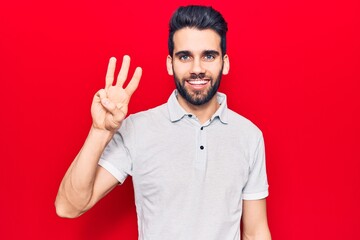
(153, 114)
(242, 122)
(239, 123)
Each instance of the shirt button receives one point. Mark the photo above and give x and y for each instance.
(202, 128)
(201, 147)
(189, 115)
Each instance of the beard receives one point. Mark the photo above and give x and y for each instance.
(198, 97)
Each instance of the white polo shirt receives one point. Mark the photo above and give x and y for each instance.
(189, 178)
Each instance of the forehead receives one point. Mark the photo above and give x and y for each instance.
(195, 40)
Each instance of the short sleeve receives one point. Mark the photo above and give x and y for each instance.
(257, 184)
(116, 158)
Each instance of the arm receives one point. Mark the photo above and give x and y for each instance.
(254, 220)
(85, 182)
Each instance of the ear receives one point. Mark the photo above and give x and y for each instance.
(169, 66)
(226, 66)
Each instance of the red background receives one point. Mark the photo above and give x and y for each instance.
(294, 72)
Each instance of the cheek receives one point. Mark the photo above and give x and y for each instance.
(213, 67)
(180, 69)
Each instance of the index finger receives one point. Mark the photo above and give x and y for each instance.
(109, 78)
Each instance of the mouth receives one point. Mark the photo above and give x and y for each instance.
(198, 82)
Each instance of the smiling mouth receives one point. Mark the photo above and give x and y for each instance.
(197, 81)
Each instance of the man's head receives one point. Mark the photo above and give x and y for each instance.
(197, 53)
(197, 17)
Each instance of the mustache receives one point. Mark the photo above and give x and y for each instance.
(197, 76)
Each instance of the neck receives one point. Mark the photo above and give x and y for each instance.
(203, 112)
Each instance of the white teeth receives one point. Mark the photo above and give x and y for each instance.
(197, 82)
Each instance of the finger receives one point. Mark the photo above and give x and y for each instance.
(102, 93)
(108, 105)
(99, 95)
(109, 79)
(123, 71)
(134, 83)
(118, 115)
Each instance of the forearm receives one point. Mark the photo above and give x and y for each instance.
(254, 220)
(76, 188)
(265, 235)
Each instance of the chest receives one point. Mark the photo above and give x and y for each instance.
(198, 163)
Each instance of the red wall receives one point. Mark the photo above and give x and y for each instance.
(294, 72)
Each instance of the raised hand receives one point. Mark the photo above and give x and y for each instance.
(110, 105)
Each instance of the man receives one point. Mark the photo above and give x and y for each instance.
(197, 166)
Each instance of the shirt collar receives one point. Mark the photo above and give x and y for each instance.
(222, 112)
(177, 112)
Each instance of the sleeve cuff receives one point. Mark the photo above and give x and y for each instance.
(255, 196)
(119, 175)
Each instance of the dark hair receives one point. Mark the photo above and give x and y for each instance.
(198, 17)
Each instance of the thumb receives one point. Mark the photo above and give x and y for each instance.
(117, 114)
(108, 105)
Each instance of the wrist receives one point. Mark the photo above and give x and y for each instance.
(100, 134)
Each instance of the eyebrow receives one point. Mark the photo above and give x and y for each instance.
(182, 53)
(211, 52)
(206, 52)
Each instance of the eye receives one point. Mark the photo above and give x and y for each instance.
(209, 57)
(184, 58)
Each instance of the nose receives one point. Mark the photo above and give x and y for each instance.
(197, 67)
